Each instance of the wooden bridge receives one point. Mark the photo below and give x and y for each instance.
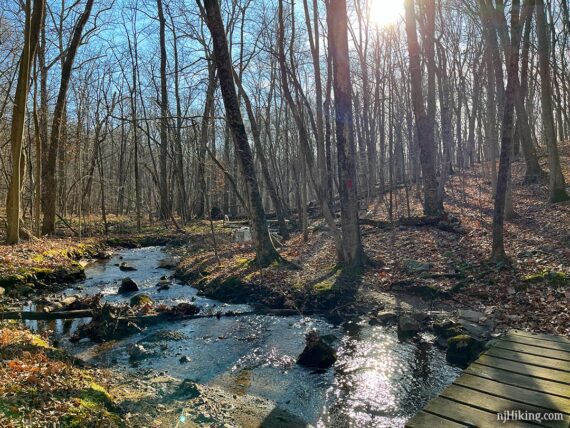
(523, 379)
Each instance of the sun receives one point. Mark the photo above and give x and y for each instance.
(384, 13)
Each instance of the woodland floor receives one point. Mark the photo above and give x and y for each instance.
(532, 293)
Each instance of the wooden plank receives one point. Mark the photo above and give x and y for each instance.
(423, 419)
(540, 399)
(533, 360)
(521, 368)
(533, 350)
(551, 337)
(536, 342)
(468, 415)
(514, 379)
(496, 404)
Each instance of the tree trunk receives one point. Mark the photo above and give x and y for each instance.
(433, 203)
(533, 170)
(200, 202)
(498, 249)
(49, 166)
(31, 37)
(163, 153)
(346, 150)
(556, 179)
(265, 251)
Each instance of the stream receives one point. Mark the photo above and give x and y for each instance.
(377, 380)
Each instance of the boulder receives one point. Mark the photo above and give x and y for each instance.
(317, 353)
(127, 267)
(479, 331)
(463, 349)
(138, 352)
(163, 283)
(22, 290)
(408, 326)
(169, 263)
(383, 318)
(469, 315)
(141, 300)
(187, 390)
(104, 255)
(2, 291)
(128, 286)
(184, 359)
(446, 329)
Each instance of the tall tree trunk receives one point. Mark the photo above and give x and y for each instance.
(163, 152)
(265, 251)
(49, 184)
(31, 37)
(556, 179)
(433, 203)
(346, 150)
(533, 170)
(507, 130)
(200, 201)
(182, 203)
(304, 137)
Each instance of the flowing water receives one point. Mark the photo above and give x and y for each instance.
(377, 380)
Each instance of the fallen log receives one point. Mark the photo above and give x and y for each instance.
(447, 224)
(30, 315)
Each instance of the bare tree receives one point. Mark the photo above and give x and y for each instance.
(557, 184)
(31, 36)
(266, 253)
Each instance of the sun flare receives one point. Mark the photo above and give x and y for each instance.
(384, 13)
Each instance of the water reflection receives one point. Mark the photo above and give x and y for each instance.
(381, 382)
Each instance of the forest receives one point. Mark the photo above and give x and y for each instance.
(283, 212)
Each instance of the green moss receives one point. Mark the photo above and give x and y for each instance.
(141, 300)
(459, 338)
(9, 411)
(324, 286)
(552, 277)
(38, 341)
(243, 262)
(93, 407)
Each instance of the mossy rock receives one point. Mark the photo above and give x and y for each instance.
(141, 300)
(463, 349)
(9, 281)
(447, 329)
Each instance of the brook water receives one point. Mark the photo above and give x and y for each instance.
(377, 380)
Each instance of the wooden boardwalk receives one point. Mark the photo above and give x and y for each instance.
(522, 371)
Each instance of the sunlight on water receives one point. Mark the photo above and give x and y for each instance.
(380, 381)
